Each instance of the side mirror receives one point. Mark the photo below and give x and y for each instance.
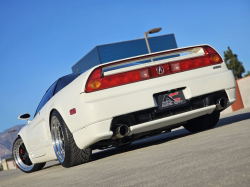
(25, 116)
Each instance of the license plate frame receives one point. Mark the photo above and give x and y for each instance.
(170, 100)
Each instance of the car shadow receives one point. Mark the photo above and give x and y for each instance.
(51, 165)
(162, 138)
(233, 119)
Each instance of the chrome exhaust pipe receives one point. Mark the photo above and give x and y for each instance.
(121, 131)
(221, 103)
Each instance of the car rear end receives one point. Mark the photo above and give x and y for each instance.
(166, 90)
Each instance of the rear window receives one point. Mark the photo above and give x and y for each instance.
(64, 81)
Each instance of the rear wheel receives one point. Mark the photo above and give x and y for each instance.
(22, 159)
(66, 150)
(203, 122)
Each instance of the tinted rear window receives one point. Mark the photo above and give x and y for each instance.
(64, 81)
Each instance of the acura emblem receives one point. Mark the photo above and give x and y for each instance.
(160, 70)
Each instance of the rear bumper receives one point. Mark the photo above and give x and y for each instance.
(101, 131)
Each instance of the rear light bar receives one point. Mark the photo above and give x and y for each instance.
(97, 81)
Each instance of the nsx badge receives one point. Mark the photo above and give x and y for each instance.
(171, 99)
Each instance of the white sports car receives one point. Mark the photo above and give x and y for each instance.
(114, 104)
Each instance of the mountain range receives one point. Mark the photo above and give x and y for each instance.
(5, 140)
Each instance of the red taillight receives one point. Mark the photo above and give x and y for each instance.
(209, 50)
(118, 79)
(210, 58)
(97, 82)
(96, 74)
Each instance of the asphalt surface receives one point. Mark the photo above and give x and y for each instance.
(217, 157)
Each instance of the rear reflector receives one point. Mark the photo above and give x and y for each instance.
(97, 81)
(72, 111)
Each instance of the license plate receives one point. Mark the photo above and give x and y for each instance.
(169, 100)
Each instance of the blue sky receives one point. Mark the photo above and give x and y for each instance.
(41, 40)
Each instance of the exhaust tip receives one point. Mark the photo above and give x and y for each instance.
(124, 130)
(121, 131)
(221, 103)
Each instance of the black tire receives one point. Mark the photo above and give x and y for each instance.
(22, 159)
(202, 123)
(124, 145)
(72, 155)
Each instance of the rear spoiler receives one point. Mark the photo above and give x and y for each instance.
(194, 50)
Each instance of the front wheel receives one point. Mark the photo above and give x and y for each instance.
(22, 159)
(66, 150)
(203, 122)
